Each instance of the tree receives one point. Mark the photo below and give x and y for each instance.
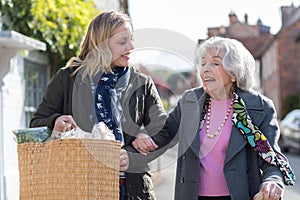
(290, 103)
(61, 24)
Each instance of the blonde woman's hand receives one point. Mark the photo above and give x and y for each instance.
(269, 191)
(64, 123)
(143, 143)
(124, 160)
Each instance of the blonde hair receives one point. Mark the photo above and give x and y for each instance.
(237, 60)
(95, 55)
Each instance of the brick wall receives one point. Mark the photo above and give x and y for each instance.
(289, 61)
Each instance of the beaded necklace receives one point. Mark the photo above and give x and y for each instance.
(211, 136)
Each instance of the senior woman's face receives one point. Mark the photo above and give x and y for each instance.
(120, 45)
(216, 81)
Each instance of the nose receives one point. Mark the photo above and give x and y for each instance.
(130, 46)
(204, 68)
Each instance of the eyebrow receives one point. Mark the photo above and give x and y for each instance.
(203, 58)
(217, 57)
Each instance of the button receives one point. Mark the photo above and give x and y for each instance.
(181, 180)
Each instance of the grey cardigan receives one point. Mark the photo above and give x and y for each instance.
(242, 164)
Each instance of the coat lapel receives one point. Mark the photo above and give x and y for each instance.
(191, 109)
(237, 141)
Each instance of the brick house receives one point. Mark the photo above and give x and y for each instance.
(288, 42)
(277, 56)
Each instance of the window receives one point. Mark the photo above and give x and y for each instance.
(36, 78)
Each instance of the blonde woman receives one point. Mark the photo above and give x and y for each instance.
(99, 85)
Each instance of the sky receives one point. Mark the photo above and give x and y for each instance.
(166, 32)
(192, 17)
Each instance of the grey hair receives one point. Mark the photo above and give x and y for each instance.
(236, 59)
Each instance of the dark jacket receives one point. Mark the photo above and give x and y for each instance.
(141, 105)
(242, 164)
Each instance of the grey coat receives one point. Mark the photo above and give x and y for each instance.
(242, 164)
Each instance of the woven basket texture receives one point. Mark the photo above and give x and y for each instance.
(84, 169)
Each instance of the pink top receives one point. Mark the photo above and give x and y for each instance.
(213, 151)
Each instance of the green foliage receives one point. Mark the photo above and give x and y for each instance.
(61, 24)
(290, 103)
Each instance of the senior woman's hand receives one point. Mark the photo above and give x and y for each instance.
(143, 143)
(269, 191)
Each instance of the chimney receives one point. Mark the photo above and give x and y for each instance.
(232, 18)
(287, 12)
(246, 18)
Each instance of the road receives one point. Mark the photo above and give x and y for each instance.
(293, 193)
(164, 179)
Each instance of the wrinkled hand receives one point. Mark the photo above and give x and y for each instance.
(269, 191)
(124, 160)
(143, 143)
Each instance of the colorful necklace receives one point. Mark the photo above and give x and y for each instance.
(211, 136)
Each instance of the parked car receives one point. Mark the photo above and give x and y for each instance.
(290, 131)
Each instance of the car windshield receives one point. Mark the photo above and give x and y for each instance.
(292, 119)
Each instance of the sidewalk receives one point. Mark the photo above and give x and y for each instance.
(163, 170)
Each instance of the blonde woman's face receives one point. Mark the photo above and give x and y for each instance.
(216, 81)
(120, 45)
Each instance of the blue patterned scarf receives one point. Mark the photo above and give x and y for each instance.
(107, 105)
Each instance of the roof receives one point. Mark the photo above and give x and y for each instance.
(12, 39)
(256, 45)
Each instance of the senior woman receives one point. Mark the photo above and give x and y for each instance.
(227, 132)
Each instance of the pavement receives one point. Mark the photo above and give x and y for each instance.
(163, 169)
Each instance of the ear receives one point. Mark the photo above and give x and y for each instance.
(233, 78)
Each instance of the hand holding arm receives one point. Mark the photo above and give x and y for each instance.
(143, 143)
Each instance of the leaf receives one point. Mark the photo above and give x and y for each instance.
(61, 24)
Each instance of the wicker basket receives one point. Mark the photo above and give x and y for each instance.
(69, 169)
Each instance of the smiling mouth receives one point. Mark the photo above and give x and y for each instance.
(208, 80)
(126, 56)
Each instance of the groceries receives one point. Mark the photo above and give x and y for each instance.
(38, 134)
(43, 134)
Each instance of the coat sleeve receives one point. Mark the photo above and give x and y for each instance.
(165, 138)
(51, 105)
(154, 112)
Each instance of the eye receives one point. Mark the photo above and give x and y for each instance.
(122, 42)
(216, 63)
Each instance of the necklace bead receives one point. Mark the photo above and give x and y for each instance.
(208, 116)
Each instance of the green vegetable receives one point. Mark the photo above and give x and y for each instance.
(38, 134)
